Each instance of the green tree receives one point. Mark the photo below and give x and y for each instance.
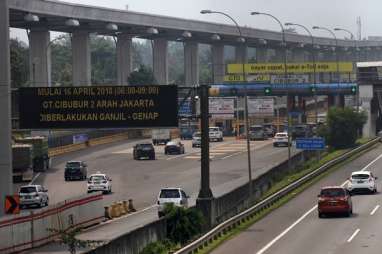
(183, 224)
(103, 55)
(19, 63)
(341, 129)
(62, 61)
(142, 76)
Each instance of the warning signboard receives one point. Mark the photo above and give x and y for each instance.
(98, 107)
(12, 204)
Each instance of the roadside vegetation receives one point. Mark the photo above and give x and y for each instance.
(183, 225)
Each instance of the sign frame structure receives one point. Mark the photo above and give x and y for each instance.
(12, 204)
(311, 144)
(98, 107)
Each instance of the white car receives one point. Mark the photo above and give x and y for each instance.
(215, 134)
(33, 195)
(362, 181)
(280, 139)
(99, 182)
(174, 196)
(197, 139)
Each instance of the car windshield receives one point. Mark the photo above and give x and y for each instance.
(256, 128)
(73, 164)
(360, 176)
(169, 193)
(333, 192)
(145, 146)
(28, 189)
(96, 178)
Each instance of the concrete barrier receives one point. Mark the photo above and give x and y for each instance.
(30, 229)
(92, 142)
(134, 241)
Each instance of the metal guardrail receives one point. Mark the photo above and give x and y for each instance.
(266, 203)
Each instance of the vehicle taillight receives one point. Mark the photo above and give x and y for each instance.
(321, 199)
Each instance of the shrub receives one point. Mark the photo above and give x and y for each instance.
(183, 224)
(341, 130)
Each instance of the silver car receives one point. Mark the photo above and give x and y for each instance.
(33, 195)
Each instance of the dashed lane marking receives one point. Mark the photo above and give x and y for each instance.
(353, 235)
(375, 209)
(271, 243)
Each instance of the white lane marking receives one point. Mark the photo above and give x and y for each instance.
(35, 178)
(125, 151)
(353, 235)
(177, 156)
(374, 210)
(229, 156)
(266, 247)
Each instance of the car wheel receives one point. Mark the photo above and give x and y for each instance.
(320, 215)
(47, 202)
(348, 213)
(160, 214)
(41, 203)
(66, 179)
(110, 190)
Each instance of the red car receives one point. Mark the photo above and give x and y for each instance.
(334, 199)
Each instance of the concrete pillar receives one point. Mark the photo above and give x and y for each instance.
(279, 55)
(191, 63)
(331, 101)
(218, 62)
(261, 55)
(81, 58)
(124, 58)
(366, 95)
(6, 185)
(160, 63)
(39, 58)
(339, 101)
(298, 55)
(241, 54)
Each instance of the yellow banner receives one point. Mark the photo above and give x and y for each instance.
(238, 77)
(278, 68)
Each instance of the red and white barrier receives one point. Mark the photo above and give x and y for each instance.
(30, 229)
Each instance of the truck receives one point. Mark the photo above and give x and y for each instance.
(30, 154)
(160, 136)
(22, 162)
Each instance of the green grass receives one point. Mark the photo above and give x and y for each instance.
(310, 166)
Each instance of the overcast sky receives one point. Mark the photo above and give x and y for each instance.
(328, 13)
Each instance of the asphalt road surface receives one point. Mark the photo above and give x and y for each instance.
(142, 180)
(296, 229)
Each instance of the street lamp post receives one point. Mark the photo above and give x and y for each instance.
(336, 49)
(356, 56)
(314, 65)
(242, 40)
(285, 77)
